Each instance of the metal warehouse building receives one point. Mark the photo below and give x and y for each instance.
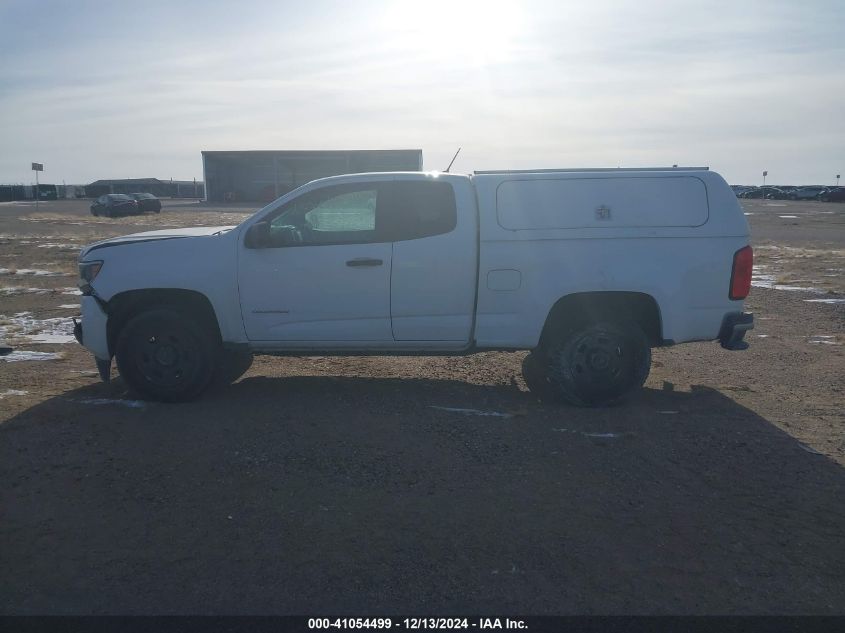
(262, 176)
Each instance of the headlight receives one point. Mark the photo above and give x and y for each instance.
(88, 271)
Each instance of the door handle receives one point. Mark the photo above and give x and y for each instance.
(364, 261)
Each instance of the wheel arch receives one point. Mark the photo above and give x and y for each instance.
(578, 308)
(125, 305)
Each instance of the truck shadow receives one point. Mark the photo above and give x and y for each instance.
(374, 495)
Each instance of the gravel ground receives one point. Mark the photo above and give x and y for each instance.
(378, 485)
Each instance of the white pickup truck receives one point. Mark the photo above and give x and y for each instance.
(589, 269)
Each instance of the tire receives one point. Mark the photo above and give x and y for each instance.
(231, 365)
(94, 213)
(599, 364)
(166, 355)
(535, 375)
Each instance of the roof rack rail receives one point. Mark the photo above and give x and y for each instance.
(587, 170)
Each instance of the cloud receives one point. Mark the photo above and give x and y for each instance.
(97, 89)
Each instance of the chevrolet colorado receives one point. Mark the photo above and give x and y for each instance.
(588, 269)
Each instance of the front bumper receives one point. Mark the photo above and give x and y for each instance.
(91, 332)
(96, 342)
(734, 327)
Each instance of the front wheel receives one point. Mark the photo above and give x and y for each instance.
(231, 365)
(166, 355)
(599, 364)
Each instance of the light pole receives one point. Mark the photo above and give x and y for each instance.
(765, 173)
(837, 180)
(36, 167)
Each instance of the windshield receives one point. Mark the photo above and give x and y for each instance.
(119, 196)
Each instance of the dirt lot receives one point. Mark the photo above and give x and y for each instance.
(336, 485)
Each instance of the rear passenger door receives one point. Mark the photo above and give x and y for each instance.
(433, 279)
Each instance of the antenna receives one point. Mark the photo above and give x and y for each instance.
(452, 161)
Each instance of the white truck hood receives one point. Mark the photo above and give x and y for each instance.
(151, 236)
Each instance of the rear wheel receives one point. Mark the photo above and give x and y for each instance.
(599, 364)
(535, 375)
(166, 355)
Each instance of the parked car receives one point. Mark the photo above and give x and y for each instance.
(112, 204)
(770, 193)
(587, 269)
(740, 189)
(832, 194)
(806, 193)
(147, 202)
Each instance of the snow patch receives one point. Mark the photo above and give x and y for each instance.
(27, 355)
(822, 339)
(9, 291)
(761, 280)
(12, 392)
(67, 247)
(492, 414)
(599, 435)
(31, 271)
(825, 300)
(788, 217)
(57, 330)
(809, 449)
(131, 404)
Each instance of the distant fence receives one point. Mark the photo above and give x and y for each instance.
(14, 193)
(161, 189)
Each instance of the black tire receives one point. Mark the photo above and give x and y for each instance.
(166, 355)
(231, 365)
(94, 212)
(599, 364)
(535, 375)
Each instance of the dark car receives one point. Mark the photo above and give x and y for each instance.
(147, 202)
(806, 193)
(113, 204)
(769, 193)
(833, 194)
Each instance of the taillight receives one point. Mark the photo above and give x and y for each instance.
(741, 273)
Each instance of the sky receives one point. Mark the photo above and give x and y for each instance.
(121, 89)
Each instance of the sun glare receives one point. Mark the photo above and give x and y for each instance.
(476, 32)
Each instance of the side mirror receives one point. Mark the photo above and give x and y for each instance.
(258, 235)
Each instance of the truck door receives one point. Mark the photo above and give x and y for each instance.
(321, 272)
(433, 280)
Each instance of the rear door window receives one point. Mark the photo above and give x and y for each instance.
(415, 209)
